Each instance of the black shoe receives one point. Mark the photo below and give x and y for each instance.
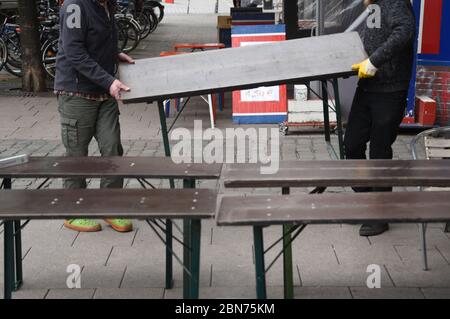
(373, 229)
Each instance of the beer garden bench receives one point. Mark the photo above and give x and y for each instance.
(149, 204)
(294, 212)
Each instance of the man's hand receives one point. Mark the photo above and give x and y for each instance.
(123, 57)
(365, 69)
(116, 87)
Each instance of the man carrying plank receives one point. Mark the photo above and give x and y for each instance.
(88, 92)
(381, 97)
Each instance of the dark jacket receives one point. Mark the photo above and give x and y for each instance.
(391, 47)
(88, 49)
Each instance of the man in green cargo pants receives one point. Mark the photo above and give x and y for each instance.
(88, 92)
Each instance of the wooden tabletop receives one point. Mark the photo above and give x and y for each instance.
(107, 203)
(96, 167)
(355, 173)
(328, 208)
(326, 57)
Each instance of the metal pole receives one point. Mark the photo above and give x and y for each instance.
(169, 243)
(320, 17)
(340, 130)
(8, 233)
(260, 270)
(288, 276)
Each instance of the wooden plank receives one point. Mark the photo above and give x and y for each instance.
(438, 153)
(324, 57)
(437, 142)
(105, 203)
(356, 173)
(348, 208)
(94, 167)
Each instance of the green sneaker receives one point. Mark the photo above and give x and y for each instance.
(83, 225)
(120, 225)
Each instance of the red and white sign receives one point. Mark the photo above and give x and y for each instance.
(430, 27)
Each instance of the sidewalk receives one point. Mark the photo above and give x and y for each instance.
(330, 261)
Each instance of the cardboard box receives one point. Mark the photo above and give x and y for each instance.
(425, 110)
(224, 22)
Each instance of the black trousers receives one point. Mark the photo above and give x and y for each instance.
(374, 118)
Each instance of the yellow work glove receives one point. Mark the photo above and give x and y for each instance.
(365, 69)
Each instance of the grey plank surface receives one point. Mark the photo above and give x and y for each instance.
(107, 203)
(329, 56)
(354, 208)
(127, 167)
(375, 173)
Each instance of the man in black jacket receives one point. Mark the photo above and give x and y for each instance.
(87, 90)
(381, 97)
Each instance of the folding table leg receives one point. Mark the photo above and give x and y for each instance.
(326, 114)
(187, 258)
(447, 228)
(423, 243)
(339, 118)
(195, 233)
(260, 268)
(288, 271)
(8, 233)
(188, 250)
(18, 251)
(169, 242)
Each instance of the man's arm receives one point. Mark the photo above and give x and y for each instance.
(74, 28)
(402, 20)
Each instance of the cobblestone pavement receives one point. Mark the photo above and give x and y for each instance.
(330, 261)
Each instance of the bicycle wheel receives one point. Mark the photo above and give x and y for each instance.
(14, 54)
(151, 14)
(145, 23)
(159, 9)
(128, 35)
(3, 53)
(48, 57)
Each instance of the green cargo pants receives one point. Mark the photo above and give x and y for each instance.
(82, 120)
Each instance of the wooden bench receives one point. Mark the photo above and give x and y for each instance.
(353, 208)
(98, 167)
(323, 174)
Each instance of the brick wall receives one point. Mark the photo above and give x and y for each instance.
(434, 81)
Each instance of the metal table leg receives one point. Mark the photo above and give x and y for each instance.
(195, 233)
(8, 233)
(326, 114)
(18, 251)
(339, 118)
(188, 276)
(258, 241)
(288, 273)
(169, 242)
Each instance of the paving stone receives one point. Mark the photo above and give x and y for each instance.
(70, 294)
(341, 275)
(386, 293)
(128, 293)
(436, 293)
(375, 254)
(100, 276)
(248, 292)
(322, 293)
(413, 255)
(408, 234)
(413, 276)
(27, 294)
